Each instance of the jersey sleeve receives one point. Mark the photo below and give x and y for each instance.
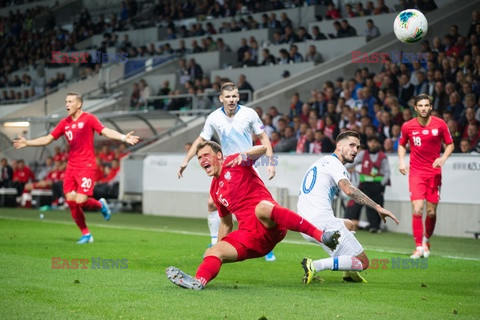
(59, 130)
(208, 129)
(96, 124)
(446, 136)
(338, 172)
(403, 135)
(257, 124)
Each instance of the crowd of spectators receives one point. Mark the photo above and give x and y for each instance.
(25, 44)
(379, 103)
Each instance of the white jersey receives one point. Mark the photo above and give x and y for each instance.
(319, 187)
(235, 133)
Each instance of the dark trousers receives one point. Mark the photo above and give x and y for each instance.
(375, 191)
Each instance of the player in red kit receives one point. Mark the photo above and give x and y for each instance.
(425, 135)
(262, 222)
(79, 129)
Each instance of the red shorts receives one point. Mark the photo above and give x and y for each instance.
(79, 180)
(255, 243)
(425, 188)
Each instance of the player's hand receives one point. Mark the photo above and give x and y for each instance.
(271, 172)
(439, 162)
(131, 139)
(402, 168)
(183, 166)
(20, 142)
(235, 161)
(385, 213)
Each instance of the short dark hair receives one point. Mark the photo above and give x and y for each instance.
(229, 86)
(212, 144)
(422, 96)
(76, 95)
(346, 134)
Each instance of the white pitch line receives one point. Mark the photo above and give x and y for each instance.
(296, 242)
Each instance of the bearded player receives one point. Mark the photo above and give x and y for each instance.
(425, 135)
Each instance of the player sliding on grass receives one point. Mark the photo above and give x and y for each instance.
(234, 125)
(262, 222)
(319, 185)
(79, 128)
(425, 134)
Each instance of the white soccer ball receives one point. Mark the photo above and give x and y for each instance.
(410, 26)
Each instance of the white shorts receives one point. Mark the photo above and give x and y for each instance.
(348, 245)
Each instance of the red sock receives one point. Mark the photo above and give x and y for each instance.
(417, 226)
(78, 216)
(430, 225)
(286, 218)
(208, 269)
(92, 205)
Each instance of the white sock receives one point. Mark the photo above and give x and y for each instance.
(342, 263)
(213, 225)
(425, 239)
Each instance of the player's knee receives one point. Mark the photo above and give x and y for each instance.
(432, 213)
(417, 212)
(263, 210)
(214, 251)
(349, 224)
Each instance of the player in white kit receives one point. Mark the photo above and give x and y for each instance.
(321, 182)
(234, 125)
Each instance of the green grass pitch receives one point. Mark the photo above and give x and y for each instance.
(449, 288)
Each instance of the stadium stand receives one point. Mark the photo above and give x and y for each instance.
(157, 38)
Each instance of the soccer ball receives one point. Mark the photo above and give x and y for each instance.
(410, 26)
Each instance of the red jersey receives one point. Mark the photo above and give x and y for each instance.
(79, 134)
(55, 175)
(106, 157)
(425, 144)
(60, 156)
(23, 175)
(110, 176)
(238, 190)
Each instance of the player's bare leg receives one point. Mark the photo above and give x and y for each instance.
(417, 228)
(270, 215)
(212, 262)
(350, 225)
(430, 221)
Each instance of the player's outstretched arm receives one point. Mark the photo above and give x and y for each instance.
(402, 167)
(269, 152)
(361, 198)
(21, 142)
(191, 152)
(115, 135)
(251, 154)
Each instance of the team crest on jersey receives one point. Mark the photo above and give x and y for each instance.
(227, 176)
(435, 132)
(80, 125)
(425, 131)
